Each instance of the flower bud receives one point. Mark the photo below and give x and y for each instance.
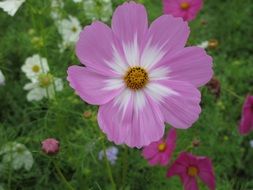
(50, 146)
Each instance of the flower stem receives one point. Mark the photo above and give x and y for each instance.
(125, 166)
(60, 174)
(232, 93)
(109, 170)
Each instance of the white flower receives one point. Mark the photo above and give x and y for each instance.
(17, 155)
(34, 66)
(251, 143)
(69, 30)
(11, 6)
(98, 10)
(2, 78)
(45, 87)
(56, 6)
(203, 45)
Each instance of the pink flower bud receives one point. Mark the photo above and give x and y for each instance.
(50, 146)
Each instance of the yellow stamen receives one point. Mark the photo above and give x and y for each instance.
(192, 171)
(136, 78)
(36, 68)
(162, 147)
(185, 5)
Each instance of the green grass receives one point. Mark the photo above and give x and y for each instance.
(229, 21)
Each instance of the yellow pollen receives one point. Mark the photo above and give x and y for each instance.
(36, 68)
(192, 171)
(162, 147)
(185, 5)
(136, 78)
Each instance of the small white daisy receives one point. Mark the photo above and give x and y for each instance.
(11, 6)
(69, 30)
(2, 78)
(17, 155)
(98, 10)
(34, 66)
(45, 87)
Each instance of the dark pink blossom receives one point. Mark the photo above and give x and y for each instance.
(161, 151)
(187, 9)
(189, 167)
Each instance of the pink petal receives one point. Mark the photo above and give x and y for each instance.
(90, 86)
(151, 150)
(190, 64)
(156, 160)
(137, 124)
(182, 109)
(166, 34)
(208, 179)
(246, 124)
(190, 184)
(176, 169)
(172, 137)
(206, 172)
(95, 50)
(130, 20)
(165, 158)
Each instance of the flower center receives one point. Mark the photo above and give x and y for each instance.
(192, 171)
(136, 78)
(36, 68)
(185, 5)
(74, 29)
(162, 147)
(45, 80)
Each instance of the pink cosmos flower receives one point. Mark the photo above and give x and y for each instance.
(189, 167)
(50, 146)
(141, 77)
(246, 124)
(161, 151)
(187, 9)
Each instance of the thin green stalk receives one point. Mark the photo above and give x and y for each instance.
(233, 93)
(10, 169)
(60, 174)
(125, 166)
(109, 170)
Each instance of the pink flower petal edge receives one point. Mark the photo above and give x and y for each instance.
(246, 124)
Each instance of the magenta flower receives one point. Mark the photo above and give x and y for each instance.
(160, 152)
(187, 9)
(141, 77)
(189, 167)
(246, 124)
(50, 146)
